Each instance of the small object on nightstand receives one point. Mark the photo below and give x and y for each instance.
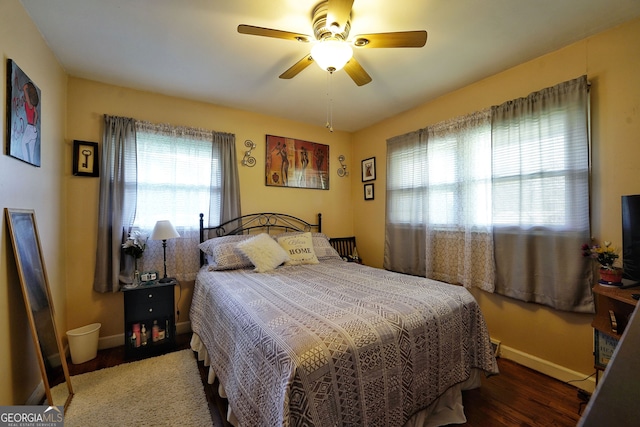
(635, 296)
(154, 331)
(143, 335)
(136, 334)
(164, 230)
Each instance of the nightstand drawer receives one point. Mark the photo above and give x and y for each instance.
(143, 303)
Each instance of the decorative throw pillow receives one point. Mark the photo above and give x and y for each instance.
(264, 252)
(300, 249)
(222, 253)
(321, 245)
(323, 248)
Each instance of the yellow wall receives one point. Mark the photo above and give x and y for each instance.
(88, 101)
(611, 61)
(29, 187)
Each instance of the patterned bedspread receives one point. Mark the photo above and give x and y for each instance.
(336, 343)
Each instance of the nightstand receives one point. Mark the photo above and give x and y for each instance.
(152, 307)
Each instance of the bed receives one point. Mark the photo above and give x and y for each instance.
(317, 341)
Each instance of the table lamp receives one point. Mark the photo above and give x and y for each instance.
(164, 230)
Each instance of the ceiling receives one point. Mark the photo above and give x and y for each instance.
(191, 49)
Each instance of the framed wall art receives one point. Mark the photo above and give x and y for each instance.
(23, 116)
(85, 158)
(369, 169)
(368, 191)
(296, 163)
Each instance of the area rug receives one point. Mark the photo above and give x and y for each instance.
(160, 391)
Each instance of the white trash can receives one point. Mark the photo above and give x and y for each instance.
(83, 343)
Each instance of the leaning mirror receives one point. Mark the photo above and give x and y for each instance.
(38, 301)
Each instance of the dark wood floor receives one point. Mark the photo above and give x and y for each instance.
(518, 396)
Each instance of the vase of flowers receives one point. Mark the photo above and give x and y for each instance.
(606, 256)
(135, 246)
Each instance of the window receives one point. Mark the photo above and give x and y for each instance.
(506, 190)
(178, 177)
(152, 172)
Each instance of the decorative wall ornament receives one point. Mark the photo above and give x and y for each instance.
(23, 116)
(293, 162)
(342, 170)
(248, 160)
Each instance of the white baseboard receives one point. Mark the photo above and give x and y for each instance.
(548, 368)
(118, 340)
(37, 396)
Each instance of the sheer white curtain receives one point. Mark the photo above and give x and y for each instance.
(541, 196)
(459, 246)
(438, 220)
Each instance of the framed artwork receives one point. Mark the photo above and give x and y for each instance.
(23, 116)
(369, 169)
(296, 163)
(85, 158)
(368, 191)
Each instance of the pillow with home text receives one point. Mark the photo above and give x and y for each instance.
(299, 247)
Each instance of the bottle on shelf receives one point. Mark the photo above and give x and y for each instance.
(136, 333)
(154, 331)
(143, 333)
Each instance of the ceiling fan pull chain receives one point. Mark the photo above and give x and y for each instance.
(330, 101)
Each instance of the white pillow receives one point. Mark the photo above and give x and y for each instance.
(264, 252)
(300, 249)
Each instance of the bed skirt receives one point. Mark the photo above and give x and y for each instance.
(447, 409)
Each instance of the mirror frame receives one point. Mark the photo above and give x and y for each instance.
(28, 252)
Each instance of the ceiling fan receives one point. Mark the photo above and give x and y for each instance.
(332, 48)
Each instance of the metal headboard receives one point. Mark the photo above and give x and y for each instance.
(263, 222)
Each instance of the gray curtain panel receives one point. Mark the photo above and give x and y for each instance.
(540, 261)
(230, 186)
(117, 201)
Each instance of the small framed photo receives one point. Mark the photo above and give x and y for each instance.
(85, 158)
(368, 191)
(369, 169)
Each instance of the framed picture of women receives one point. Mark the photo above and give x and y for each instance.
(23, 116)
(296, 163)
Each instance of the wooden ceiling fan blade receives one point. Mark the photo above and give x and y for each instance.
(397, 39)
(297, 67)
(268, 32)
(338, 12)
(357, 73)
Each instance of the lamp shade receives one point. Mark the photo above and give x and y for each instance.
(164, 230)
(331, 54)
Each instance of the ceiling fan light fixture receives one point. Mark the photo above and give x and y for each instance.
(331, 54)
